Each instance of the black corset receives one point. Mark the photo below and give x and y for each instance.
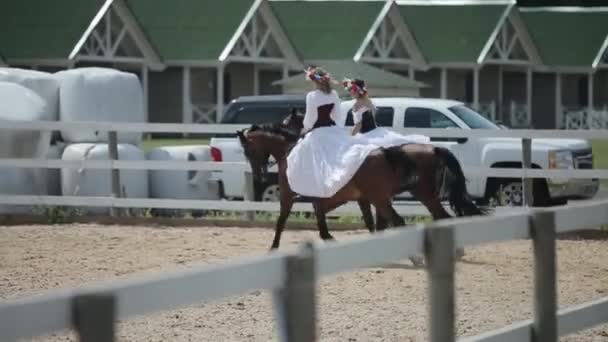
(368, 123)
(323, 116)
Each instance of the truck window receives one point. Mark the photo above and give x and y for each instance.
(416, 117)
(384, 117)
(260, 114)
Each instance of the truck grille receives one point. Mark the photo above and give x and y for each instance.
(583, 159)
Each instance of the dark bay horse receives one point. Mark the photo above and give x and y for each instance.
(384, 173)
(261, 142)
(423, 155)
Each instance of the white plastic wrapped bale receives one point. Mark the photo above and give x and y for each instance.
(182, 184)
(90, 182)
(102, 95)
(19, 181)
(22, 181)
(42, 83)
(22, 104)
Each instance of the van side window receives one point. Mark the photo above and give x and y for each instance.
(261, 114)
(416, 117)
(384, 117)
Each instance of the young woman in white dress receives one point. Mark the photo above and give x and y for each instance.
(327, 157)
(365, 123)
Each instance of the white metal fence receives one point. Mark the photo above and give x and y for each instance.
(527, 173)
(293, 279)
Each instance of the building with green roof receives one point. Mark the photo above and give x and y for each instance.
(467, 46)
(195, 55)
(573, 46)
(215, 44)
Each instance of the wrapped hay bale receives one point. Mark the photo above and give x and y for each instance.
(87, 182)
(43, 84)
(18, 103)
(102, 95)
(182, 184)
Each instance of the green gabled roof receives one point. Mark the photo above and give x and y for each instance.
(339, 69)
(43, 29)
(452, 34)
(567, 38)
(189, 29)
(327, 29)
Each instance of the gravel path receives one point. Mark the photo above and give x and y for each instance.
(388, 303)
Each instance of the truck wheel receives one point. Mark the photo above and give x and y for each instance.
(510, 194)
(270, 193)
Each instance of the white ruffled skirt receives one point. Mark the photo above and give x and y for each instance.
(325, 160)
(386, 138)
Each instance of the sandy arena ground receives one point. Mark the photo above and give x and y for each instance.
(494, 282)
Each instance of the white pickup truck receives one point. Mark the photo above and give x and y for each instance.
(471, 152)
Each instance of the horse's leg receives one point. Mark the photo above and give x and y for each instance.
(287, 200)
(320, 210)
(398, 221)
(368, 217)
(381, 221)
(426, 193)
(385, 212)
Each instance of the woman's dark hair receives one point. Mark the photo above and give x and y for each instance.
(325, 87)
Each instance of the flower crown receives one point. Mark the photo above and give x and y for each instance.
(314, 74)
(351, 85)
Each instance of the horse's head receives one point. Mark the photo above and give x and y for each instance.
(294, 121)
(256, 151)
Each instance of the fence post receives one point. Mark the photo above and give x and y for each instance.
(527, 182)
(113, 152)
(249, 195)
(545, 286)
(439, 252)
(93, 317)
(295, 302)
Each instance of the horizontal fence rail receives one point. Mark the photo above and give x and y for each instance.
(570, 320)
(54, 311)
(527, 173)
(411, 208)
(232, 128)
(242, 166)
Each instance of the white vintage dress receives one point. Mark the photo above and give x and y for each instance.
(327, 158)
(380, 136)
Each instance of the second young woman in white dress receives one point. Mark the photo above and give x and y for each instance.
(365, 123)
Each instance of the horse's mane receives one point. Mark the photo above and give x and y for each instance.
(277, 129)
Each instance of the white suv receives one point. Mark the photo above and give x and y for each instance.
(410, 113)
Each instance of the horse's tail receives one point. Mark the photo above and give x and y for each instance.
(453, 183)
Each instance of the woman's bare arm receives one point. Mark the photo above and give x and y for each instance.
(356, 129)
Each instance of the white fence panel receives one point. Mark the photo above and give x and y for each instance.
(53, 311)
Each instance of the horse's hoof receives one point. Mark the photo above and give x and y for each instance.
(417, 261)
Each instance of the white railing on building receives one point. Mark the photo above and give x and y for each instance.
(204, 113)
(92, 312)
(585, 118)
(527, 173)
(519, 115)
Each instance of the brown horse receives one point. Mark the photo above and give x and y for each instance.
(459, 199)
(421, 169)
